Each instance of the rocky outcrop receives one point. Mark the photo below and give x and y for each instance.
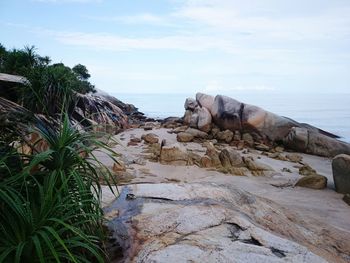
(258, 126)
(174, 154)
(207, 222)
(341, 173)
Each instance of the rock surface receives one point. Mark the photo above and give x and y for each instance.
(184, 137)
(174, 154)
(341, 173)
(208, 222)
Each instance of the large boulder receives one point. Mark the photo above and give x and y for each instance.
(341, 173)
(205, 101)
(204, 119)
(187, 117)
(225, 136)
(313, 142)
(234, 115)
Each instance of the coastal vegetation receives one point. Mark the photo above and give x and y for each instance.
(49, 196)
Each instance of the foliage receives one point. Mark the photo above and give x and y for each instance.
(50, 201)
(52, 86)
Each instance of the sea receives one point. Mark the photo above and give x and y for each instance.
(330, 112)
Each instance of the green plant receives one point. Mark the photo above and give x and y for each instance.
(50, 203)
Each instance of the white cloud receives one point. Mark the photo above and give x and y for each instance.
(132, 19)
(68, 1)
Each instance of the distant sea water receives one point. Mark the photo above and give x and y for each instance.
(330, 112)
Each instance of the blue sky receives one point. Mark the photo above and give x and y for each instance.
(185, 46)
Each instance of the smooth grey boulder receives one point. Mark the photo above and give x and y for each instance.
(205, 101)
(341, 173)
(234, 115)
(313, 142)
(204, 119)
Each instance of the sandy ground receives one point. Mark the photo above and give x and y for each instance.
(325, 206)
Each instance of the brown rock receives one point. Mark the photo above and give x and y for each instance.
(295, 158)
(307, 170)
(256, 165)
(205, 161)
(225, 136)
(137, 140)
(187, 117)
(197, 133)
(213, 154)
(119, 167)
(248, 139)
(184, 137)
(237, 136)
(314, 181)
(174, 154)
(262, 147)
(229, 157)
(150, 138)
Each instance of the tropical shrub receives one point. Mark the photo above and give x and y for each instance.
(50, 201)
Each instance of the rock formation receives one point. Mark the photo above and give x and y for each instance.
(258, 126)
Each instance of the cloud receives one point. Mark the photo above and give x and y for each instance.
(131, 19)
(68, 1)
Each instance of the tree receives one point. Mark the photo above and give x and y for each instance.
(81, 72)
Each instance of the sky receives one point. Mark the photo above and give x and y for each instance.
(185, 46)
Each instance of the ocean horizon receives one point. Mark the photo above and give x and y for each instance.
(330, 112)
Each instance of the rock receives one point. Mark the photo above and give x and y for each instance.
(190, 104)
(194, 158)
(213, 154)
(341, 173)
(205, 161)
(313, 142)
(293, 157)
(135, 139)
(229, 157)
(184, 137)
(262, 147)
(225, 136)
(248, 139)
(286, 170)
(150, 138)
(346, 198)
(180, 129)
(194, 120)
(119, 167)
(187, 117)
(307, 170)
(279, 149)
(205, 101)
(215, 131)
(197, 133)
(204, 119)
(237, 136)
(175, 154)
(206, 222)
(148, 128)
(256, 167)
(314, 181)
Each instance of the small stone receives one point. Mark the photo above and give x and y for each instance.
(248, 139)
(314, 181)
(225, 136)
(279, 149)
(237, 136)
(262, 147)
(205, 161)
(307, 170)
(295, 158)
(150, 138)
(135, 139)
(286, 170)
(119, 167)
